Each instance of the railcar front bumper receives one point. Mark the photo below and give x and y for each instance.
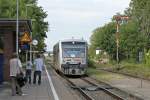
(73, 69)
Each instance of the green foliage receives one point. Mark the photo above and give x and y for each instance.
(91, 63)
(39, 26)
(131, 40)
(104, 38)
(147, 58)
(140, 70)
(139, 12)
(134, 35)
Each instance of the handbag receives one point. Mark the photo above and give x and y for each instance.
(21, 79)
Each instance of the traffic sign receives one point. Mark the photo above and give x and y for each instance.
(25, 47)
(26, 37)
(35, 42)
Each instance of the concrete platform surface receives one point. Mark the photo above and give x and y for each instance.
(53, 87)
(30, 92)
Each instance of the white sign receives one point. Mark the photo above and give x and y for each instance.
(97, 52)
(35, 42)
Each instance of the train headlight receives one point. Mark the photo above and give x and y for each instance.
(73, 42)
(67, 63)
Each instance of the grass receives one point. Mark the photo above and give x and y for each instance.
(140, 70)
(100, 75)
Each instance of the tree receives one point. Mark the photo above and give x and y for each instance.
(140, 10)
(134, 36)
(39, 27)
(104, 38)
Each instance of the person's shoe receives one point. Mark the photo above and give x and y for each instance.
(39, 82)
(24, 94)
(20, 94)
(13, 95)
(29, 82)
(34, 82)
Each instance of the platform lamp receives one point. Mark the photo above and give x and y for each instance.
(17, 26)
(30, 5)
(32, 20)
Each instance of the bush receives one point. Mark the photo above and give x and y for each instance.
(91, 63)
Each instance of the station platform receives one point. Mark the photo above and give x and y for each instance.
(45, 91)
(30, 92)
(53, 87)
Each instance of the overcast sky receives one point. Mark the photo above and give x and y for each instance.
(78, 18)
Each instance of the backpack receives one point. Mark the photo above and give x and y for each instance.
(21, 80)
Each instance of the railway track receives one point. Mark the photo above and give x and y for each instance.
(112, 90)
(80, 89)
(92, 90)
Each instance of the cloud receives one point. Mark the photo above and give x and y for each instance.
(78, 18)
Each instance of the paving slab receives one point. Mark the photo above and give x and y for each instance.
(31, 92)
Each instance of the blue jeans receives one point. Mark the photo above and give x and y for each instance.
(37, 73)
(28, 75)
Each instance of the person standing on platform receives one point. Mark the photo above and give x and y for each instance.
(39, 65)
(28, 71)
(15, 69)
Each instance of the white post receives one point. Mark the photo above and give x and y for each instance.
(29, 5)
(117, 44)
(141, 83)
(17, 28)
(31, 46)
(26, 57)
(26, 13)
(30, 35)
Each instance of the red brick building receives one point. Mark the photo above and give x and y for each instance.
(8, 37)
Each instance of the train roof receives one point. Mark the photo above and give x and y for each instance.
(71, 40)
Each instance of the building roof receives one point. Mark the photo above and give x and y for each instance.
(10, 24)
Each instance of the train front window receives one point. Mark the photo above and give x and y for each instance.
(73, 52)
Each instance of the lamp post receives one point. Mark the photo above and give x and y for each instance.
(17, 28)
(118, 19)
(30, 5)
